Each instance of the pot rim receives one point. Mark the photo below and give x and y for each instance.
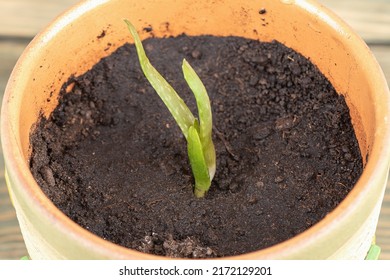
(376, 166)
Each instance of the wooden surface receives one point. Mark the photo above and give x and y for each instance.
(20, 20)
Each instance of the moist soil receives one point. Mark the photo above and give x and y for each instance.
(112, 158)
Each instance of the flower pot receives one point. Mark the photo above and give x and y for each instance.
(78, 39)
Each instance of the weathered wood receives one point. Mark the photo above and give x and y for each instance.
(11, 241)
(25, 18)
(382, 54)
(369, 18)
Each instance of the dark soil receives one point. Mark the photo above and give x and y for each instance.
(112, 158)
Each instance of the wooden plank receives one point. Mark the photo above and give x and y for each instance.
(370, 19)
(25, 18)
(382, 54)
(11, 241)
(9, 54)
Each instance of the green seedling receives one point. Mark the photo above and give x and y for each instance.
(200, 147)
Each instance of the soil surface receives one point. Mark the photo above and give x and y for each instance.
(112, 158)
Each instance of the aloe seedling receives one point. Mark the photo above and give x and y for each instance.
(200, 147)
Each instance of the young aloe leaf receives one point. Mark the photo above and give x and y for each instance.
(205, 115)
(171, 99)
(200, 147)
(198, 163)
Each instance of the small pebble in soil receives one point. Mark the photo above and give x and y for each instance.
(196, 54)
(47, 174)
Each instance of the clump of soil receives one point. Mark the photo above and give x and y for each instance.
(112, 158)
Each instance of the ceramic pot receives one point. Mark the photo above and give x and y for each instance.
(79, 38)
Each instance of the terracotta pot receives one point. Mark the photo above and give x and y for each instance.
(75, 41)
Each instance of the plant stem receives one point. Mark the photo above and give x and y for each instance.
(200, 147)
